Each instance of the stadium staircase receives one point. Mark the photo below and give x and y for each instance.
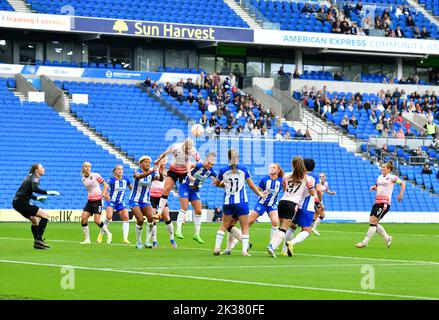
(99, 140)
(325, 131)
(244, 14)
(20, 6)
(35, 132)
(428, 14)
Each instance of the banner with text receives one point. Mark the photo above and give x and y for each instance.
(23, 20)
(346, 42)
(162, 30)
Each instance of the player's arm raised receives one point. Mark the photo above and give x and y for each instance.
(255, 189)
(163, 155)
(138, 175)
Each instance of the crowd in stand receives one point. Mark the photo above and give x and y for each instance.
(225, 101)
(342, 24)
(384, 112)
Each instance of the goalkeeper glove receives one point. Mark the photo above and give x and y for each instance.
(42, 199)
(53, 193)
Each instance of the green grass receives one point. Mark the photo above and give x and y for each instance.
(325, 267)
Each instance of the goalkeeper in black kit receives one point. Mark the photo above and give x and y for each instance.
(36, 215)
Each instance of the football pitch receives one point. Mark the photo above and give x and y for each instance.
(325, 267)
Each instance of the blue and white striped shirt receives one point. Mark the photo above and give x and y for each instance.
(200, 174)
(141, 188)
(234, 184)
(273, 187)
(117, 188)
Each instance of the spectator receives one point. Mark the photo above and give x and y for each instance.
(430, 129)
(217, 215)
(427, 169)
(278, 136)
(353, 122)
(189, 85)
(345, 122)
(287, 135)
(359, 7)
(204, 121)
(373, 118)
(400, 134)
(306, 9)
(424, 33)
(236, 70)
(281, 71)
(385, 133)
(345, 28)
(405, 10)
(380, 127)
(337, 76)
(347, 8)
(417, 33)
(399, 33)
(435, 143)
(409, 133)
(299, 134)
(296, 74)
(353, 29)
(181, 98)
(218, 131)
(367, 25)
(213, 121)
(398, 12)
(190, 98)
(147, 82)
(321, 15)
(307, 135)
(410, 22)
(336, 27)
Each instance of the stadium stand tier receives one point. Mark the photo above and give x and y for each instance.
(176, 11)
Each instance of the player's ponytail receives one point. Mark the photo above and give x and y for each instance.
(233, 159)
(33, 168)
(299, 170)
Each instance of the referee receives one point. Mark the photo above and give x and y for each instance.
(36, 215)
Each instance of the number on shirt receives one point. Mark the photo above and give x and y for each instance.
(231, 184)
(290, 187)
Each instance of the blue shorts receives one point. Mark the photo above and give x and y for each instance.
(238, 209)
(304, 218)
(188, 193)
(141, 205)
(117, 206)
(261, 209)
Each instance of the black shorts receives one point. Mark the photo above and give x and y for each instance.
(26, 209)
(93, 207)
(287, 209)
(177, 176)
(379, 210)
(317, 205)
(155, 202)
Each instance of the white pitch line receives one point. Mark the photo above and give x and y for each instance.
(258, 252)
(274, 266)
(266, 284)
